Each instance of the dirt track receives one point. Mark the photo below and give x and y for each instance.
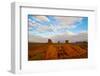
(56, 51)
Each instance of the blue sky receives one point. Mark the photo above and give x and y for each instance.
(49, 26)
(81, 26)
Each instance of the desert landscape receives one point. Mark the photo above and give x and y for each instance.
(52, 37)
(51, 51)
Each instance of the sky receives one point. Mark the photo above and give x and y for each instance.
(72, 28)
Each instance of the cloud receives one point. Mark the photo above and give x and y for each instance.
(42, 27)
(68, 21)
(32, 24)
(42, 18)
(82, 36)
(34, 38)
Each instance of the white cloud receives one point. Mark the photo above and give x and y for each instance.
(64, 22)
(42, 18)
(71, 33)
(82, 36)
(55, 35)
(62, 37)
(32, 24)
(68, 20)
(72, 37)
(34, 38)
(44, 28)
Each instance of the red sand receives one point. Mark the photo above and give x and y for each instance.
(56, 51)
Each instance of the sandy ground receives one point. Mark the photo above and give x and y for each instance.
(56, 51)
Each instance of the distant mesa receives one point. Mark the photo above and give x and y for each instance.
(58, 42)
(66, 41)
(84, 42)
(49, 41)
